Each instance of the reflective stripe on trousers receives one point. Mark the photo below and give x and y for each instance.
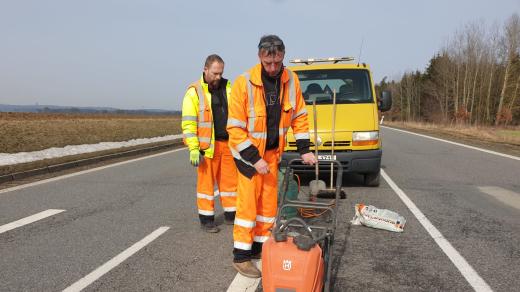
(219, 170)
(256, 204)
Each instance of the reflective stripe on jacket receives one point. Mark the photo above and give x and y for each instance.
(197, 117)
(247, 117)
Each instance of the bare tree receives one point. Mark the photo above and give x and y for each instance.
(511, 44)
(475, 78)
(492, 57)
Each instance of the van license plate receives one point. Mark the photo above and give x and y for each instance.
(326, 157)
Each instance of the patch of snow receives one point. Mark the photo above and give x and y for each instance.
(23, 157)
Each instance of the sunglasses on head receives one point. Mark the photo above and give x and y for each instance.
(267, 45)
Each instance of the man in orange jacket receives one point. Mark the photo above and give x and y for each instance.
(265, 101)
(204, 119)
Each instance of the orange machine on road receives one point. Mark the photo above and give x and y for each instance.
(297, 256)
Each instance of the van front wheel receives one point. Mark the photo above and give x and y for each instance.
(372, 179)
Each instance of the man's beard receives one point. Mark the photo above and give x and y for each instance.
(214, 84)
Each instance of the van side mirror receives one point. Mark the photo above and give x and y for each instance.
(385, 102)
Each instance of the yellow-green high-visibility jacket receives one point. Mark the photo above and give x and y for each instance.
(197, 117)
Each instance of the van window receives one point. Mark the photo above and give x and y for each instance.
(352, 86)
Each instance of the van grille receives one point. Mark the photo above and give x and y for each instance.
(326, 144)
(337, 143)
(293, 144)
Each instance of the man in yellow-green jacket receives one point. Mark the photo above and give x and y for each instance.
(204, 119)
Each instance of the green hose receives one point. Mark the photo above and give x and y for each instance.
(292, 194)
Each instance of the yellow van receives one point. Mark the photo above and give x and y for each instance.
(357, 141)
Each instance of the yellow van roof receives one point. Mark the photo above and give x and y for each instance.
(329, 66)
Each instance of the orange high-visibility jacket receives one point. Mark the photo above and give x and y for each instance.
(247, 116)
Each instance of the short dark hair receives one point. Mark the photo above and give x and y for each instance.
(213, 58)
(271, 44)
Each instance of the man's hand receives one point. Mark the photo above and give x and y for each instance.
(195, 157)
(309, 158)
(261, 167)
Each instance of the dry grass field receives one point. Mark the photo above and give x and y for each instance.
(22, 132)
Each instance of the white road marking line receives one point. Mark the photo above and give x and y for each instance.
(505, 196)
(455, 143)
(462, 265)
(114, 262)
(84, 171)
(29, 219)
(244, 284)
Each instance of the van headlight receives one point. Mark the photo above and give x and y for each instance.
(365, 138)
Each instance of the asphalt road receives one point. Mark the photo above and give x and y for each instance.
(133, 227)
(443, 181)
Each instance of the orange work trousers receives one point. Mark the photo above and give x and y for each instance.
(256, 205)
(217, 176)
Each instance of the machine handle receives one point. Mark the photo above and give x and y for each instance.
(299, 220)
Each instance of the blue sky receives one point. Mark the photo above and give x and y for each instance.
(142, 54)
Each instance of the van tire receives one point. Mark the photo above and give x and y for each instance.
(372, 179)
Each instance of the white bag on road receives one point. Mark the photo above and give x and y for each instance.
(378, 218)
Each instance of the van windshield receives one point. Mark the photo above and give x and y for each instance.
(351, 86)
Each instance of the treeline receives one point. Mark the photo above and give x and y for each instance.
(474, 79)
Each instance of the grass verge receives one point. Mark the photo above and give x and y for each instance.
(506, 140)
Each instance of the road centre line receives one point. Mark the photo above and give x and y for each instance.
(455, 143)
(462, 265)
(114, 262)
(85, 171)
(29, 219)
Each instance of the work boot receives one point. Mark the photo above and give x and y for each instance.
(247, 269)
(209, 227)
(229, 218)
